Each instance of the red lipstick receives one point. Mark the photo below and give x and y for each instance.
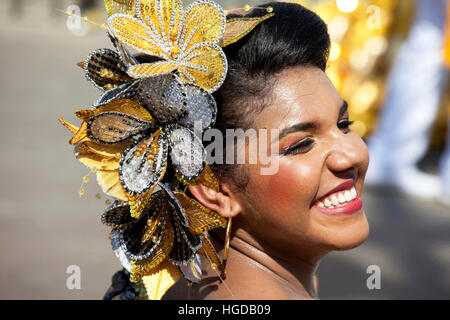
(343, 186)
(350, 208)
(343, 208)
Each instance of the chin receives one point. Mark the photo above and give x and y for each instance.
(348, 236)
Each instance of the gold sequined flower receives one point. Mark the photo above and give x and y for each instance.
(185, 41)
(104, 159)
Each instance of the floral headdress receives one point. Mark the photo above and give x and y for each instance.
(143, 125)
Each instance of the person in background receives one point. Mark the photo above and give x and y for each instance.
(413, 97)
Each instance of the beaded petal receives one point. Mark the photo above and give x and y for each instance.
(239, 27)
(187, 42)
(186, 151)
(143, 164)
(105, 69)
(200, 219)
(113, 127)
(160, 279)
(116, 6)
(186, 243)
(110, 183)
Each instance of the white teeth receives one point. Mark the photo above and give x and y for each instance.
(334, 200)
(348, 196)
(338, 199)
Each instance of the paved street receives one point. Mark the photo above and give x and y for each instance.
(45, 226)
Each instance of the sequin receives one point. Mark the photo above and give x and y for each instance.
(142, 165)
(186, 151)
(169, 100)
(105, 69)
(113, 127)
(239, 27)
(126, 106)
(186, 42)
(114, 6)
(118, 216)
(93, 160)
(163, 97)
(202, 108)
(160, 279)
(200, 219)
(206, 178)
(186, 243)
(125, 91)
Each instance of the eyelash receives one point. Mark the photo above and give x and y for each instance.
(301, 146)
(345, 124)
(306, 144)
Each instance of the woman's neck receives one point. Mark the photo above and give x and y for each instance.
(297, 277)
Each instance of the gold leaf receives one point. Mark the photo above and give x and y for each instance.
(210, 56)
(160, 280)
(119, 6)
(146, 267)
(144, 70)
(81, 135)
(206, 178)
(107, 150)
(110, 183)
(71, 127)
(139, 202)
(93, 160)
(204, 23)
(151, 226)
(200, 219)
(126, 106)
(239, 27)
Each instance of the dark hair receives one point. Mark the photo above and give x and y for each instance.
(294, 36)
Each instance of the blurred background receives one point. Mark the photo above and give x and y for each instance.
(45, 226)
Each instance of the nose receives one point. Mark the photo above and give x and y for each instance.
(348, 154)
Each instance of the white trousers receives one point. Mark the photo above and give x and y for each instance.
(414, 89)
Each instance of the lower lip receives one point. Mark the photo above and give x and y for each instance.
(348, 209)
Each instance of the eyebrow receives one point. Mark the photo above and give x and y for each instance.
(308, 125)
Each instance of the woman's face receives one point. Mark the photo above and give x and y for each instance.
(309, 205)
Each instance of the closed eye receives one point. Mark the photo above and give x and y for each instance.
(344, 125)
(302, 146)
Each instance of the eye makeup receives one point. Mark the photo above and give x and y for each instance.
(304, 145)
(301, 146)
(345, 124)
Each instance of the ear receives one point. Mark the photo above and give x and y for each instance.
(223, 202)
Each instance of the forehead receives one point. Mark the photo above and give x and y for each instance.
(300, 94)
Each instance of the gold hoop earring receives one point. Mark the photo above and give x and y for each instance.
(226, 245)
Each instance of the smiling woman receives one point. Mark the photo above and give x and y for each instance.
(284, 223)
(177, 73)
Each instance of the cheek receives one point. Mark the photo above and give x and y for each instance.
(291, 189)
